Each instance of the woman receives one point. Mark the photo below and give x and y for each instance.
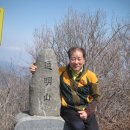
(79, 92)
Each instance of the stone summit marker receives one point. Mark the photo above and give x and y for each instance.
(44, 97)
(44, 87)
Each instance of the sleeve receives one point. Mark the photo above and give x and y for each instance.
(95, 91)
(95, 94)
(91, 107)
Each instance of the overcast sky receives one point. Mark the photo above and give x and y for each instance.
(22, 17)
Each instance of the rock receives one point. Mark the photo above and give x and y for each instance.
(44, 86)
(27, 122)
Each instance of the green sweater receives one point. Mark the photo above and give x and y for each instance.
(79, 92)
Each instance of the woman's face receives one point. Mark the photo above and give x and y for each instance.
(76, 60)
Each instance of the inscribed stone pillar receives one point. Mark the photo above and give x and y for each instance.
(44, 86)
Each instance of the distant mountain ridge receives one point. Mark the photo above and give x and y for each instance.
(8, 66)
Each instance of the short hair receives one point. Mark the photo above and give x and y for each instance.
(73, 49)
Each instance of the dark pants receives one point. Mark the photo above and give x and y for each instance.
(74, 121)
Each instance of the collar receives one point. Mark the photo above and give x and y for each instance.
(74, 74)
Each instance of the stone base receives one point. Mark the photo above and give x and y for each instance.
(27, 122)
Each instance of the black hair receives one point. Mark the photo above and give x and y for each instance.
(72, 49)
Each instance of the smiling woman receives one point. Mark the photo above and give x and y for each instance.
(79, 94)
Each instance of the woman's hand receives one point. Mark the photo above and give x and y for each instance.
(32, 68)
(83, 115)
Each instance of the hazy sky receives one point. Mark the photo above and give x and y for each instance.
(22, 17)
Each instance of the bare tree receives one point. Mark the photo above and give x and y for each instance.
(114, 77)
(13, 96)
(79, 30)
(42, 39)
